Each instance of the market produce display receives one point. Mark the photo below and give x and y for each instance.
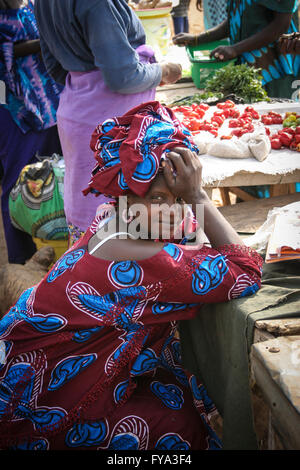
(239, 131)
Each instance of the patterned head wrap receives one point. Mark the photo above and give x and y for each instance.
(129, 149)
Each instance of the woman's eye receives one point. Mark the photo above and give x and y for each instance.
(157, 198)
(179, 200)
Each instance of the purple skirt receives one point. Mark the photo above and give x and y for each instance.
(84, 104)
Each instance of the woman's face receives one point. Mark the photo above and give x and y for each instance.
(159, 213)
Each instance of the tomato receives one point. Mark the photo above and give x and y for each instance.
(252, 111)
(293, 145)
(234, 123)
(289, 130)
(249, 128)
(183, 109)
(297, 130)
(268, 132)
(237, 132)
(214, 132)
(297, 138)
(229, 104)
(286, 139)
(205, 127)
(218, 120)
(226, 105)
(277, 120)
(276, 144)
(233, 112)
(200, 112)
(203, 106)
(246, 115)
(267, 120)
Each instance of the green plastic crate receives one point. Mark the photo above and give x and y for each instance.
(204, 69)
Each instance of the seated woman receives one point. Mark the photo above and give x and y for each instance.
(89, 357)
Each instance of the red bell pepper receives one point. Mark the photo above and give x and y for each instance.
(276, 144)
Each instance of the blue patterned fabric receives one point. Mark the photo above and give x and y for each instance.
(248, 17)
(32, 96)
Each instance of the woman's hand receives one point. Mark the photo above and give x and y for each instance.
(183, 174)
(290, 43)
(185, 39)
(223, 53)
(171, 73)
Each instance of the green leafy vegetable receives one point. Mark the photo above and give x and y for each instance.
(241, 80)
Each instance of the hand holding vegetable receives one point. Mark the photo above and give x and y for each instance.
(224, 53)
(171, 73)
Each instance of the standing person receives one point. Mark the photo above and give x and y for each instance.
(28, 117)
(214, 12)
(254, 28)
(180, 17)
(90, 360)
(97, 49)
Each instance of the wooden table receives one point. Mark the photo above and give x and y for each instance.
(247, 217)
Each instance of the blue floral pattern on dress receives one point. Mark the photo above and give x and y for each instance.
(209, 274)
(69, 368)
(171, 395)
(86, 434)
(172, 442)
(66, 262)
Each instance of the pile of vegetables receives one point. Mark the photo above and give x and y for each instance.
(241, 80)
(289, 136)
(241, 123)
(291, 120)
(193, 117)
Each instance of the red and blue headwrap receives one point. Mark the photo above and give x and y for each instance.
(128, 149)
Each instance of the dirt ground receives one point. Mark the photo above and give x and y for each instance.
(196, 25)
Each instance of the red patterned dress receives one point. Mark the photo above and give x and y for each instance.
(88, 357)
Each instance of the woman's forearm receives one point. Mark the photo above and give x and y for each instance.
(267, 35)
(217, 229)
(25, 48)
(214, 34)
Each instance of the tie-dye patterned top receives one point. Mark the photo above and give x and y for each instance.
(32, 96)
(248, 17)
(76, 346)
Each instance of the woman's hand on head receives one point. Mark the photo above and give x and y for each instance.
(183, 174)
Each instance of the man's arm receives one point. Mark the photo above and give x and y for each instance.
(54, 68)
